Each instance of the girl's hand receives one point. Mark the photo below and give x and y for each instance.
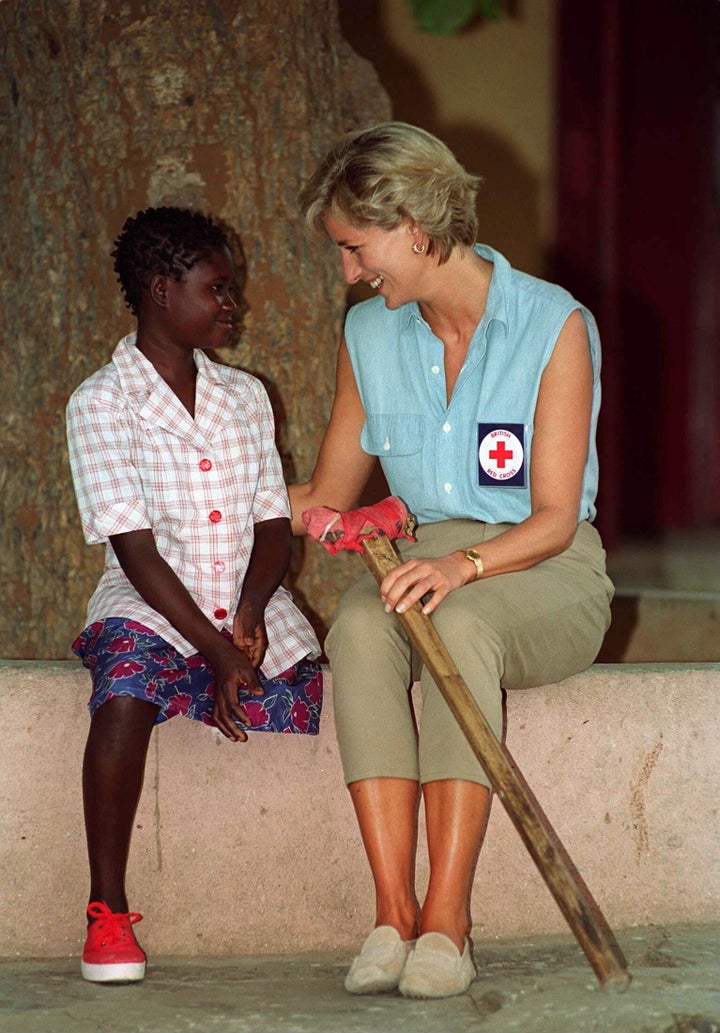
(417, 578)
(234, 673)
(249, 634)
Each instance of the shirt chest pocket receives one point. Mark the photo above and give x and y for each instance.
(393, 434)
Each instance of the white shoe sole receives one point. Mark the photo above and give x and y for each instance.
(125, 972)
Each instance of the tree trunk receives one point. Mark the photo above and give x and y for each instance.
(109, 107)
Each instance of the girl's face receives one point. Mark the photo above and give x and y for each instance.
(382, 258)
(200, 306)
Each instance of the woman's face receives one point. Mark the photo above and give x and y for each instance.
(384, 259)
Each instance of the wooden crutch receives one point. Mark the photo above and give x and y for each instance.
(370, 531)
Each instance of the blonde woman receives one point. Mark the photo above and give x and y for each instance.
(477, 388)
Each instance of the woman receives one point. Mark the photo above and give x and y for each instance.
(477, 387)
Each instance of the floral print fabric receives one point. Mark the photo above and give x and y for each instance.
(127, 659)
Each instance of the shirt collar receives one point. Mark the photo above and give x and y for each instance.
(158, 405)
(138, 375)
(496, 307)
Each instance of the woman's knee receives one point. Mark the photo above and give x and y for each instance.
(472, 642)
(363, 633)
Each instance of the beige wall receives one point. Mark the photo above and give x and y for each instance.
(488, 92)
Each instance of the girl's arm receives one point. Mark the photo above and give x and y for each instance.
(560, 447)
(268, 565)
(162, 589)
(342, 468)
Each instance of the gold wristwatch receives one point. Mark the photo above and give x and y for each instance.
(474, 557)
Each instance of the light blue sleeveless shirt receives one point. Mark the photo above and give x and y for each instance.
(473, 457)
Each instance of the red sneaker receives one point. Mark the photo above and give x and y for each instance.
(111, 953)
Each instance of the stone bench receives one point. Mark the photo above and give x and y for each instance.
(253, 848)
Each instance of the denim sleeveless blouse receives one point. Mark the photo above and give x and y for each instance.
(470, 458)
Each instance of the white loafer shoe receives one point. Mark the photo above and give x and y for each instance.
(436, 968)
(380, 963)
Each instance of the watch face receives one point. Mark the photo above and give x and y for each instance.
(475, 557)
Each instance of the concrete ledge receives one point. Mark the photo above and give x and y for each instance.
(253, 848)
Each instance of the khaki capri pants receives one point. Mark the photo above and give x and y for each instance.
(511, 631)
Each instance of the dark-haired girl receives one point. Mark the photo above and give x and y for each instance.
(176, 471)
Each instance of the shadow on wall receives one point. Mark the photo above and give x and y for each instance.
(508, 201)
(636, 382)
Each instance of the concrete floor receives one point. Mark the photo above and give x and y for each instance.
(538, 985)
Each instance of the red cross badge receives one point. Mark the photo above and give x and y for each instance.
(501, 454)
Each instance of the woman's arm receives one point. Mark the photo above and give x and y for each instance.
(342, 468)
(559, 454)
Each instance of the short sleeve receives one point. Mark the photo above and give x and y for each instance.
(271, 498)
(107, 485)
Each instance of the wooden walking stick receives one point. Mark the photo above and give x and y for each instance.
(370, 531)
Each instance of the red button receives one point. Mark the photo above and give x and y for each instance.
(220, 614)
(205, 465)
(215, 516)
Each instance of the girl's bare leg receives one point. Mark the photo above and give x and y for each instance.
(113, 771)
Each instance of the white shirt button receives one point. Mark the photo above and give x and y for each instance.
(218, 566)
(446, 427)
(447, 487)
(434, 369)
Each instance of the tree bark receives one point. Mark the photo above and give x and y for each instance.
(109, 107)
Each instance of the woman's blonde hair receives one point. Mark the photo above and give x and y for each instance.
(391, 172)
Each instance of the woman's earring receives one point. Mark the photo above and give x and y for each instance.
(419, 249)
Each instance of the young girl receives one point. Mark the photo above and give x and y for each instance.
(175, 469)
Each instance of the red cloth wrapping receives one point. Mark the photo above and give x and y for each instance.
(346, 531)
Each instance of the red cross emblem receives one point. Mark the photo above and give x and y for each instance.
(501, 453)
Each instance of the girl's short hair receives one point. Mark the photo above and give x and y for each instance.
(391, 172)
(165, 240)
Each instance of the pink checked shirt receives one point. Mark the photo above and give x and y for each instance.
(140, 460)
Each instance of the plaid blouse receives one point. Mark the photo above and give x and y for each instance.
(140, 460)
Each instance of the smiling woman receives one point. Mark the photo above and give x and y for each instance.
(466, 380)
(378, 257)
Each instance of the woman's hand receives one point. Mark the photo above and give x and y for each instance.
(418, 578)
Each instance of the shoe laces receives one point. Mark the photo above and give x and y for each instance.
(114, 925)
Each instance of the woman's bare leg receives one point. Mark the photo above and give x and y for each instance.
(456, 814)
(387, 810)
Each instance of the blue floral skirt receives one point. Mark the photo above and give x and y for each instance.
(127, 659)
